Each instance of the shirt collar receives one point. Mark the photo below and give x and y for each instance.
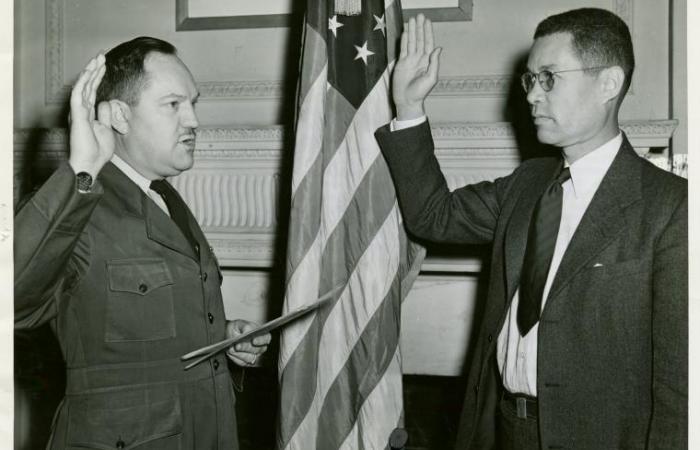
(142, 182)
(588, 171)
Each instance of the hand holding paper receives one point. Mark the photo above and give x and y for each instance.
(245, 353)
(252, 332)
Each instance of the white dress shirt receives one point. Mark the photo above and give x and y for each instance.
(517, 355)
(141, 181)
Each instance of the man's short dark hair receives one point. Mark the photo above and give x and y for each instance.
(599, 38)
(125, 74)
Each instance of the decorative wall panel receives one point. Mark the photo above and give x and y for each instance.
(235, 185)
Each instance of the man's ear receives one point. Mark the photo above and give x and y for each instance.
(121, 114)
(611, 81)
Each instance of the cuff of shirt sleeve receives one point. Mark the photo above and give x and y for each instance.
(396, 125)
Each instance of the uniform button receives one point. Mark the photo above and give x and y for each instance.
(490, 337)
(205, 276)
(120, 444)
(211, 318)
(142, 288)
(476, 388)
(196, 248)
(216, 364)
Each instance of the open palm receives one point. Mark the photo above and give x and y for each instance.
(416, 71)
(92, 141)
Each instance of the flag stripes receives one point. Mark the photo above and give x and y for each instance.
(379, 411)
(340, 368)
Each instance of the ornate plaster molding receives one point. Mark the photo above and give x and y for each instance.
(472, 86)
(472, 139)
(241, 90)
(233, 189)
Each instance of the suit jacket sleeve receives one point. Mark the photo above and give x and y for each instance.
(48, 251)
(669, 422)
(467, 215)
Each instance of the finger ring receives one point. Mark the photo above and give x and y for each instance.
(255, 359)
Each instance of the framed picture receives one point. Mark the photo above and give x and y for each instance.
(217, 14)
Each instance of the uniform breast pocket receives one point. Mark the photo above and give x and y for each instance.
(139, 301)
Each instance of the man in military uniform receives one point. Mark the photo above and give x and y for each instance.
(108, 253)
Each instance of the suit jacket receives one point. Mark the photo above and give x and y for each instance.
(612, 341)
(126, 296)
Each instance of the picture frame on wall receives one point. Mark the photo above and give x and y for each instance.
(232, 14)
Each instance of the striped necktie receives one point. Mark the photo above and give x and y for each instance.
(541, 239)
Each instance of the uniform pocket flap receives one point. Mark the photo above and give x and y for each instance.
(124, 418)
(138, 276)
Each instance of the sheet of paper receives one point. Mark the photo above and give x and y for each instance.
(212, 349)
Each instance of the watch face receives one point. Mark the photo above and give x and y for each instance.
(84, 181)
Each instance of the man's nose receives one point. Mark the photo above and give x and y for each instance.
(535, 94)
(189, 117)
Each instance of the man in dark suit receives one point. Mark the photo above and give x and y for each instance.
(108, 253)
(583, 341)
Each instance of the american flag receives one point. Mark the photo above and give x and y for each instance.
(340, 369)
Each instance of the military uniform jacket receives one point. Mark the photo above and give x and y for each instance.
(612, 342)
(126, 295)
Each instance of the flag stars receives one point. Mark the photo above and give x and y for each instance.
(363, 52)
(381, 24)
(333, 25)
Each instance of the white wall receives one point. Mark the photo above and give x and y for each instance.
(241, 69)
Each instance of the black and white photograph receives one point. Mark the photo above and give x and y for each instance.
(349, 224)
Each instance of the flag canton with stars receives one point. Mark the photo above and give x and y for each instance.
(356, 51)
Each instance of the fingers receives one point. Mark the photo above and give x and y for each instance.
(83, 94)
(429, 42)
(404, 45)
(263, 340)
(96, 79)
(434, 64)
(243, 359)
(79, 87)
(420, 33)
(257, 345)
(418, 38)
(247, 353)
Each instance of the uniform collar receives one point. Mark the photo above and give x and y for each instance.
(142, 182)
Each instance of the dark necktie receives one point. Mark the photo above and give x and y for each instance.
(541, 239)
(177, 208)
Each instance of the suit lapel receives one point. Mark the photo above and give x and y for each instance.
(159, 226)
(604, 218)
(519, 223)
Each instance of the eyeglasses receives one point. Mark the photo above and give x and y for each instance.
(546, 78)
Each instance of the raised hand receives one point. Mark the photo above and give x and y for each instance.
(91, 141)
(416, 70)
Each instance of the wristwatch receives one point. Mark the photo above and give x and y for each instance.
(84, 181)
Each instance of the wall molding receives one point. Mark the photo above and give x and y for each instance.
(486, 85)
(233, 188)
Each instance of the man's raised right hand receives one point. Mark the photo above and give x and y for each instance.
(416, 71)
(92, 141)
